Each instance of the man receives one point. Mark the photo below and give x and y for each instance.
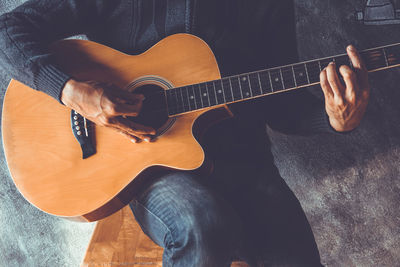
(244, 209)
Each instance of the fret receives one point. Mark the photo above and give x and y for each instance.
(204, 95)
(179, 101)
(300, 74)
(244, 86)
(259, 82)
(186, 100)
(230, 83)
(276, 78)
(192, 98)
(237, 94)
(173, 91)
(212, 95)
(319, 65)
(226, 85)
(255, 84)
(240, 87)
(171, 102)
(313, 69)
(270, 81)
(308, 76)
(393, 55)
(219, 92)
(182, 99)
(248, 80)
(294, 76)
(265, 81)
(288, 78)
(374, 59)
(283, 84)
(198, 96)
(385, 56)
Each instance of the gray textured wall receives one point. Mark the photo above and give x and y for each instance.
(348, 184)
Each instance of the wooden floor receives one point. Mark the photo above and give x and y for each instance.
(119, 241)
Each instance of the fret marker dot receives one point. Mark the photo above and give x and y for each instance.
(204, 94)
(191, 97)
(276, 79)
(301, 74)
(219, 91)
(247, 93)
(244, 79)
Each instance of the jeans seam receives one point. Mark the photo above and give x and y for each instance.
(158, 219)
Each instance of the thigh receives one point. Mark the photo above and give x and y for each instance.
(178, 212)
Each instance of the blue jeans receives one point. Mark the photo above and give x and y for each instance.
(198, 226)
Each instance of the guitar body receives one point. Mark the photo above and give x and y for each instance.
(44, 158)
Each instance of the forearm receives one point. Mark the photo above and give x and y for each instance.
(26, 34)
(297, 113)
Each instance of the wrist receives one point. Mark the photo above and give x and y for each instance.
(68, 90)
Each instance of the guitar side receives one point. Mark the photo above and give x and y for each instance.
(44, 158)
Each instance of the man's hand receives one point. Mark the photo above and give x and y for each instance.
(106, 105)
(346, 103)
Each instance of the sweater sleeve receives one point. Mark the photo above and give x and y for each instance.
(298, 112)
(26, 33)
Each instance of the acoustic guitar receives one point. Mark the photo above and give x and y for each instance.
(66, 166)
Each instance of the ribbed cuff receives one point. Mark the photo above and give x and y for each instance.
(319, 122)
(51, 81)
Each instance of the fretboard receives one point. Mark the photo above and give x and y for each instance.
(270, 81)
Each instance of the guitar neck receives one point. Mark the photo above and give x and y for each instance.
(270, 81)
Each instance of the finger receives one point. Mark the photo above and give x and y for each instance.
(333, 79)
(122, 95)
(133, 128)
(326, 88)
(129, 133)
(128, 104)
(355, 59)
(113, 108)
(131, 97)
(350, 80)
(359, 68)
(130, 137)
(128, 97)
(120, 109)
(117, 106)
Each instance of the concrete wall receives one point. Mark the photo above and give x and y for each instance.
(348, 184)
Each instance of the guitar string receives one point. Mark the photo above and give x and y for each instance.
(160, 110)
(164, 110)
(368, 55)
(273, 71)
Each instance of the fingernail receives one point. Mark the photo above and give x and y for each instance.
(133, 141)
(146, 140)
(332, 63)
(351, 48)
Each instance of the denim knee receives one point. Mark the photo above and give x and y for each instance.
(200, 227)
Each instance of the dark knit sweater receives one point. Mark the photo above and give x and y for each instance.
(245, 35)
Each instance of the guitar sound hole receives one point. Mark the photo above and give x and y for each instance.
(154, 110)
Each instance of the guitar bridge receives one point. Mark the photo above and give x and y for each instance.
(83, 131)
